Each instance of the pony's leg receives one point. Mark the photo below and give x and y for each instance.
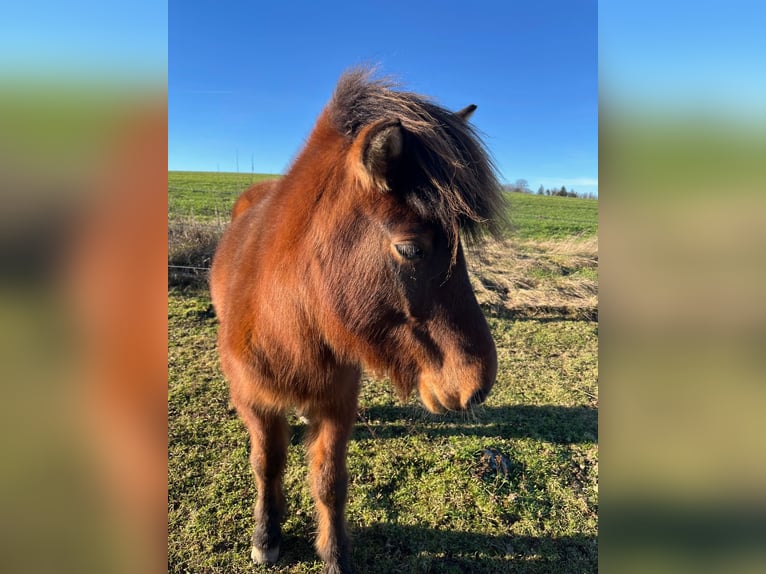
(328, 444)
(268, 455)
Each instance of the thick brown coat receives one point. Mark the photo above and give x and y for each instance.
(353, 261)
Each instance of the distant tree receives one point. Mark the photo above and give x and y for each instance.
(522, 186)
(563, 191)
(540, 190)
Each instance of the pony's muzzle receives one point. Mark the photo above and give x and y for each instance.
(461, 387)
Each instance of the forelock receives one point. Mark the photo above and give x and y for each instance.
(461, 188)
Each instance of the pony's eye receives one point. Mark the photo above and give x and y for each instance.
(409, 251)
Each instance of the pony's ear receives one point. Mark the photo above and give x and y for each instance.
(466, 113)
(382, 146)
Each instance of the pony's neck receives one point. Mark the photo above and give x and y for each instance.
(315, 184)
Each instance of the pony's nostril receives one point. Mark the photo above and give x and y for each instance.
(477, 398)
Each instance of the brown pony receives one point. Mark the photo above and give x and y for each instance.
(353, 260)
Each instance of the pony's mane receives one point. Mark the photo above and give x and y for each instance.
(458, 186)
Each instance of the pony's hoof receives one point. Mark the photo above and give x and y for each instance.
(267, 557)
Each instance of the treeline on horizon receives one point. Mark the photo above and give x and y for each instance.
(522, 186)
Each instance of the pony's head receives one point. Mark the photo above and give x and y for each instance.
(407, 180)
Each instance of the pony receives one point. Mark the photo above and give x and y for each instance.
(354, 260)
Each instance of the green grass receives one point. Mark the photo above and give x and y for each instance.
(543, 217)
(421, 499)
(424, 493)
(209, 196)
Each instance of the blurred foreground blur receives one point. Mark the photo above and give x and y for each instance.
(682, 235)
(682, 338)
(83, 124)
(83, 312)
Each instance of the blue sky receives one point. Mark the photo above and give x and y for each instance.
(685, 57)
(248, 79)
(84, 39)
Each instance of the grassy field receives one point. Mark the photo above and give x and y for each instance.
(542, 217)
(209, 197)
(513, 489)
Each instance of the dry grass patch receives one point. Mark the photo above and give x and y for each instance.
(530, 278)
(191, 246)
(537, 278)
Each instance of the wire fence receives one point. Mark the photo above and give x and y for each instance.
(188, 267)
(192, 241)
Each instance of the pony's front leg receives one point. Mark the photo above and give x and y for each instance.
(268, 455)
(329, 484)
